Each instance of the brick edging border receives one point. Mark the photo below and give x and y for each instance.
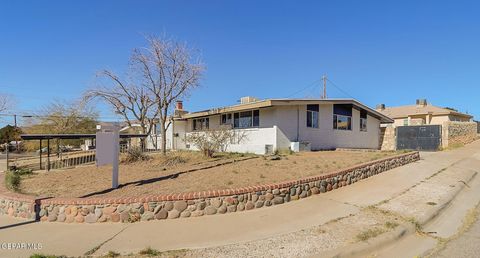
(129, 209)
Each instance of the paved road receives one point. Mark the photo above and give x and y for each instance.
(209, 231)
(467, 245)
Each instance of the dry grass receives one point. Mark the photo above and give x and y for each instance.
(161, 175)
(369, 233)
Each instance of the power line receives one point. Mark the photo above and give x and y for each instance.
(340, 89)
(53, 116)
(309, 85)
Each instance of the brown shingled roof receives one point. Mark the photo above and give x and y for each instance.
(405, 111)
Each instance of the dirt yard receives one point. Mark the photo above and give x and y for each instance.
(188, 172)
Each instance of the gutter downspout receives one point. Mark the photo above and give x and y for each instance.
(174, 143)
(298, 123)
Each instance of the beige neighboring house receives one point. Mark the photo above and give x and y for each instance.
(456, 127)
(422, 113)
(277, 124)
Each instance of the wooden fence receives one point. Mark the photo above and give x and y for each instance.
(55, 161)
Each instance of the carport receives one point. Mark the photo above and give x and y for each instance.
(48, 137)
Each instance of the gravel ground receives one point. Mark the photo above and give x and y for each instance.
(313, 241)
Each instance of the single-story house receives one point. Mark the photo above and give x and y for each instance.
(422, 113)
(277, 124)
(135, 128)
(413, 123)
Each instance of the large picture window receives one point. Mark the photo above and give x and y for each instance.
(201, 124)
(226, 119)
(312, 116)
(363, 121)
(246, 119)
(342, 117)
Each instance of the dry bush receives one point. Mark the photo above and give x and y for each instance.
(172, 160)
(135, 154)
(217, 140)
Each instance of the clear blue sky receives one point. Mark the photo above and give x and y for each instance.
(388, 52)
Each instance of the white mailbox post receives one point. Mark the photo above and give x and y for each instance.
(108, 149)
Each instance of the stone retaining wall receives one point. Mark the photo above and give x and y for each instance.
(458, 133)
(16, 205)
(172, 206)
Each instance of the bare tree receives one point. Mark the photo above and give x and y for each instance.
(132, 100)
(62, 117)
(159, 74)
(5, 102)
(215, 140)
(170, 70)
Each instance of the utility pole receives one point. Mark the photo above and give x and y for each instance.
(16, 141)
(324, 95)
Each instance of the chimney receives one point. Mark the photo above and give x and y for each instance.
(179, 105)
(381, 107)
(179, 112)
(421, 102)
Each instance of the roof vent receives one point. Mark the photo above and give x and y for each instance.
(421, 102)
(381, 107)
(247, 99)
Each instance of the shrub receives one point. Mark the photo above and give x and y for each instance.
(149, 251)
(218, 140)
(173, 160)
(112, 254)
(135, 154)
(12, 180)
(23, 171)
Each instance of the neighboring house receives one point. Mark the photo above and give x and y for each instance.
(124, 129)
(276, 124)
(422, 113)
(425, 127)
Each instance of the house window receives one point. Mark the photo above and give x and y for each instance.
(201, 124)
(405, 122)
(246, 119)
(342, 117)
(226, 119)
(312, 116)
(363, 121)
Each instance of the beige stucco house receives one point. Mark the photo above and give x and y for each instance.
(276, 124)
(422, 113)
(456, 127)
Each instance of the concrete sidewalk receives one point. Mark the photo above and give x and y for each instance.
(210, 231)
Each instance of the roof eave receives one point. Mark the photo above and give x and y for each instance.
(216, 111)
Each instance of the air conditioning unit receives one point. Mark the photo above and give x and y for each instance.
(305, 146)
(300, 146)
(248, 99)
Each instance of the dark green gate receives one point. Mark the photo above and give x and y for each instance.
(420, 137)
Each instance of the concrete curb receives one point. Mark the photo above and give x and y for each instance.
(386, 239)
(363, 248)
(434, 212)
